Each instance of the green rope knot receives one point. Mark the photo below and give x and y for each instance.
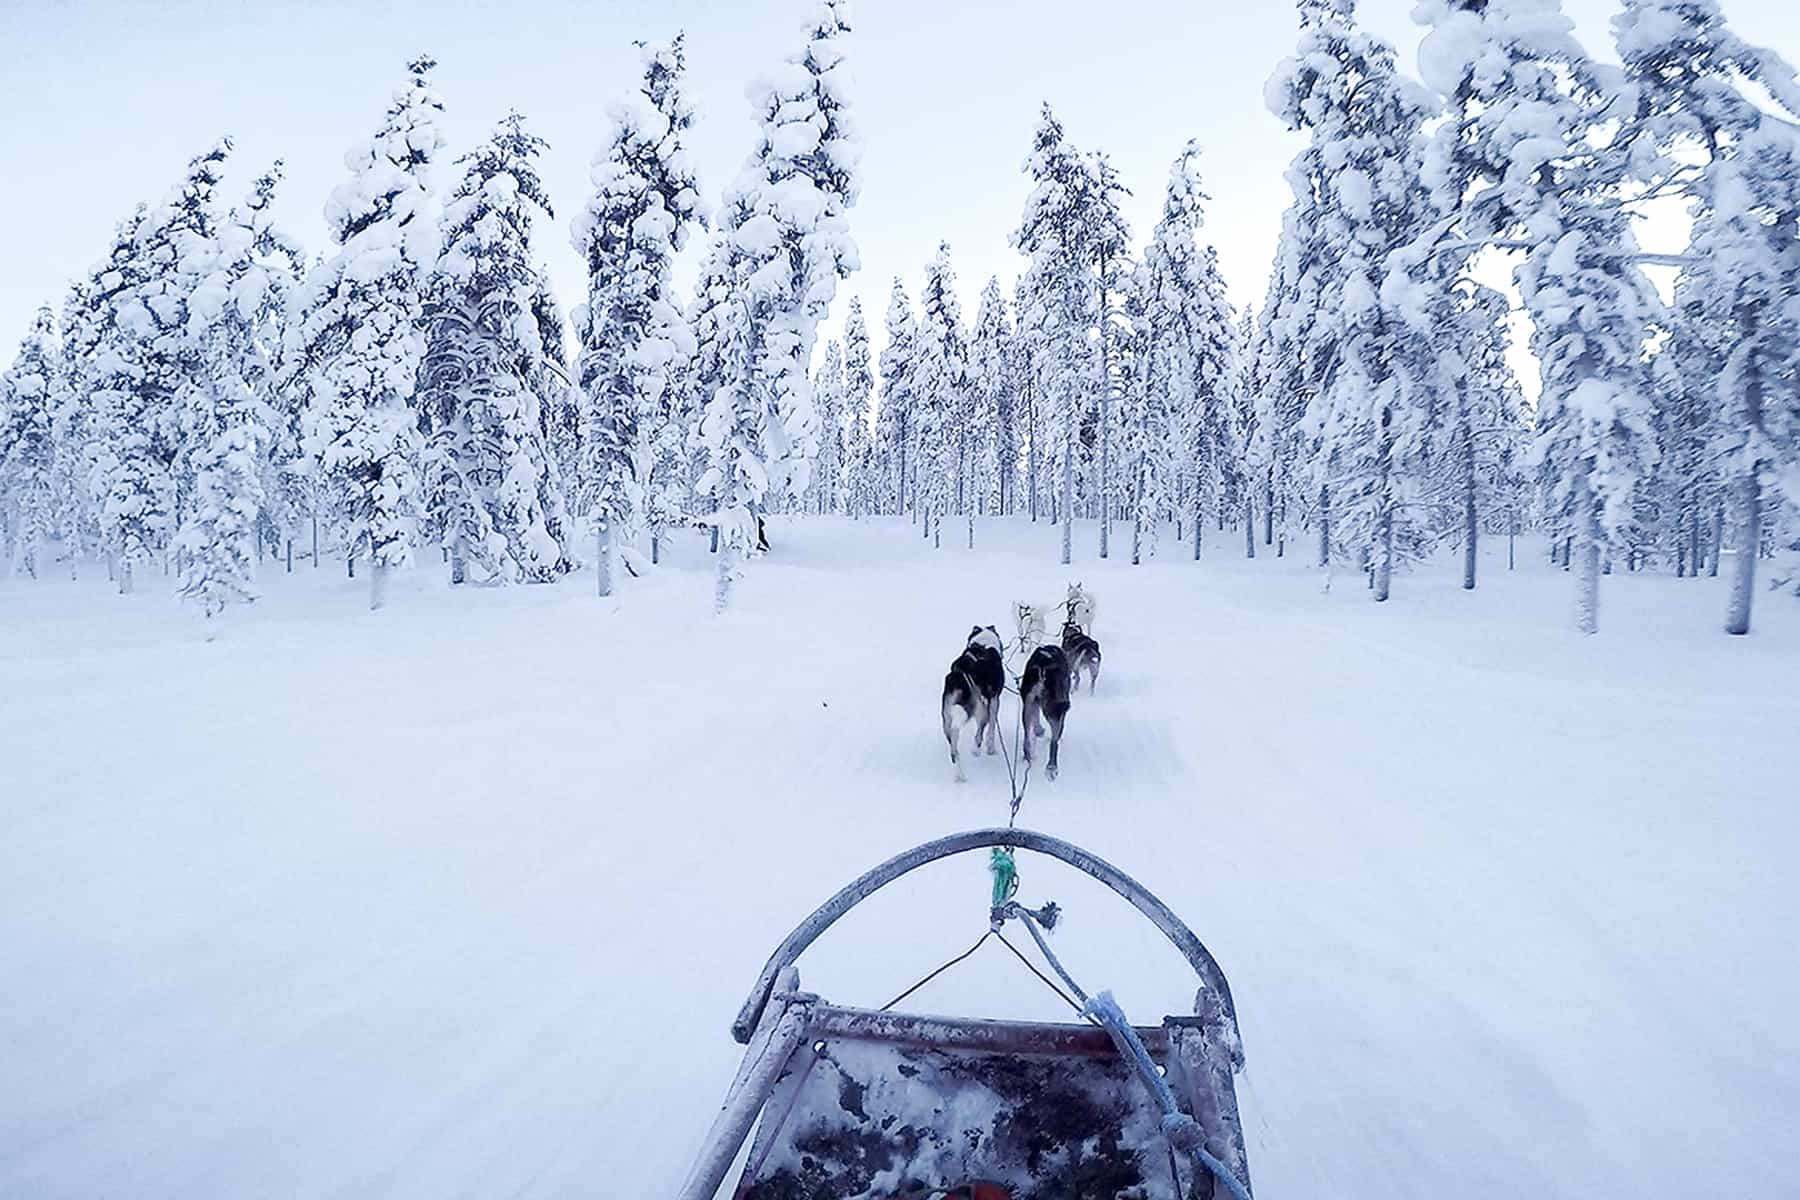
(1006, 875)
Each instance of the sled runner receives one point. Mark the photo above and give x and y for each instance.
(861, 1104)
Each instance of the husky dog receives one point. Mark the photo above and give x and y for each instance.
(1083, 653)
(1080, 608)
(1045, 694)
(1033, 628)
(972, 693)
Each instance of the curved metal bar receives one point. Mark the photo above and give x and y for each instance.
(1159, 914)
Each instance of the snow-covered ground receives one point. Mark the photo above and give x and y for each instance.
(458, 899)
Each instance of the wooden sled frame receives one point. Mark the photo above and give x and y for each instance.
(1199, 1054)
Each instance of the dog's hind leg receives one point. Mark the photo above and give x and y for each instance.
(953, 723)
(993, 726)
(1056, 728)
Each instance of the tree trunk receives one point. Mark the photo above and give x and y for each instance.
(1384, 558)
(459, 569)
(350, 565)
(727, 568)
(971, 531)
(1743, 572)
(1718, 541)
(125, 577)
(714, 548)
(1324, 525)
(1471, 526)
(315, 541)
(1269, 507)
(603, 556)
(1249, 528)
(378, 576)
(1587, 570)
(1068, 496)
(290, 556)
(1105, 489)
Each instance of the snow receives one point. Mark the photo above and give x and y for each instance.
(315, 908)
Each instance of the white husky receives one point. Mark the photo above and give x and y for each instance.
(1079, 609)
(1033, 624)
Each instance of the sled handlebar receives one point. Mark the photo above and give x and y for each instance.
(1199, 958)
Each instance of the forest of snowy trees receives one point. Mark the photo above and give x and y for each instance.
(211, 396)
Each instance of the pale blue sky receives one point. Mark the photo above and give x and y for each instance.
(104, 102)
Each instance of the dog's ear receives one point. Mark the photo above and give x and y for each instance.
(974, 631)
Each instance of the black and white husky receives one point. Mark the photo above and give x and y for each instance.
(1044, 691)
(1083, 653)
(972, 693)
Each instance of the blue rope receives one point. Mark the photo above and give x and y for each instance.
(1181, 1129)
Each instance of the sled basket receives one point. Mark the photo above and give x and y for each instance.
(856, 1104)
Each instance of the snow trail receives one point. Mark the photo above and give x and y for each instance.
(333, 905)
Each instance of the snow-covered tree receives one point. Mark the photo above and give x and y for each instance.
(1739, 292)
(632, 334)
(129, 495)
(1031, 419)
(940, 381)
(31, 396)
(1244, 452)
(1481, 439)
(493, 493)
(146, 472)
(232, 316)
(861, 483)
(360, 333)
(75, 427)
(828, 470)
(1378, 376)
(994, 389)
(1186, 367)
(1110, 237)
(896, 430)
(1061, 298)
(787, 219)
(1522, 159)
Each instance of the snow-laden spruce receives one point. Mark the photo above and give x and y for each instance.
(632, 333)
(1523, 161)
(1186, 372)
(828, 389)
(1060, 299)
(787, 220)
(994, 397)
(940, 385)
(359, 337)
(233, 316)
(1110, 238)
(896, 431)
(1739, 291)
(31, 395)
(1379, 379)
(861, 488)
(147, 476)
(493, 491)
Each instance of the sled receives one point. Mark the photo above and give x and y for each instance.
(860, 1104)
